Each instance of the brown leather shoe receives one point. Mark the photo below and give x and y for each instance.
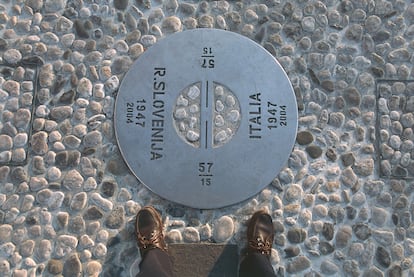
(260, 233)
(148, 229)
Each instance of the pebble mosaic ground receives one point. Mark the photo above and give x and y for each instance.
(342, 206)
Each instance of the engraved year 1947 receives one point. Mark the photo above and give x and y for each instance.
(135, 112)
(277, 115)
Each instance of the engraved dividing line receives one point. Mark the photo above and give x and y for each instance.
(205, 175)
(206, 133)
(206, 94)
(207, 104)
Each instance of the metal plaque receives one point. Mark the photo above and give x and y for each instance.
(206, 118)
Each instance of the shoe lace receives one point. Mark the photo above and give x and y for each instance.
(152, 240)
(261, 244)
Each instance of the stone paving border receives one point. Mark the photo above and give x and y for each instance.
(395, 119)
(19, 85)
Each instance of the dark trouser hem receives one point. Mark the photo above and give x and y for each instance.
(254, 265)
(156, 262)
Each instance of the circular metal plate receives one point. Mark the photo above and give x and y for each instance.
(206, 118)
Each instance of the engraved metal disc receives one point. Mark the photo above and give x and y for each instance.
(206, 118)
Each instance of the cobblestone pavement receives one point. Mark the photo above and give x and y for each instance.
(342, 206)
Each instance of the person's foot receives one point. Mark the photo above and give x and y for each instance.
(149, 230)
(260, 233)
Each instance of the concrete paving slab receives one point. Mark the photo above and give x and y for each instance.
(204, 260)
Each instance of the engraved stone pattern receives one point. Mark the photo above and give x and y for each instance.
(226, 115)
(187, 115)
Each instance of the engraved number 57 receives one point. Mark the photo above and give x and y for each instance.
(204, 170)
(205, 167)
(208, 63)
